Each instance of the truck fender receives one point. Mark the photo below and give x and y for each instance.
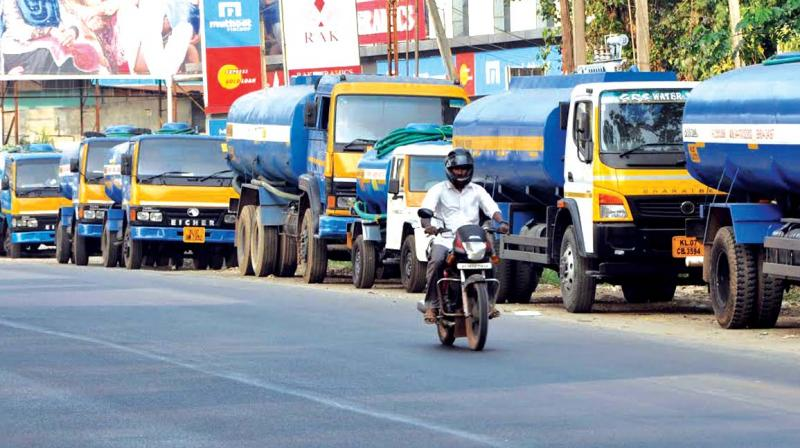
(309, 184)
(568, 215)
(67, 216)
(248, 196)
(751, 222)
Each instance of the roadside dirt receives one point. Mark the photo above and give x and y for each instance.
(688, 318)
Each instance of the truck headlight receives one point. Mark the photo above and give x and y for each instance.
(156, 216)
(33, 223)
(613, 212)
(143, 216)
(345, 202)
(89, 214)
(230, 219)
(99, 214)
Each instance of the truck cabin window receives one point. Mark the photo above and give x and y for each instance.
(361, 120)
(37, 178)
(642, 127)
(98, 155)
(425, 172)
(186, 162)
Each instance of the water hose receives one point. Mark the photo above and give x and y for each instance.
(410, 135)
(274, 190)
(366, 216)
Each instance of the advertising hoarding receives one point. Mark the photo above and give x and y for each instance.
(322, 38)
(372, 21)
(231, 73)
(231, 23)
(79, 38)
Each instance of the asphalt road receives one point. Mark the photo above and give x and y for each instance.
(91, 357)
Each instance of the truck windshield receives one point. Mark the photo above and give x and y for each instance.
(368, 118)
(37, 178)
(182, 161)
(98, 155)
(425, 172)
(642, 122)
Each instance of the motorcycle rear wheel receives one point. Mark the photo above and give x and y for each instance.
(447, 333)
(478, 322)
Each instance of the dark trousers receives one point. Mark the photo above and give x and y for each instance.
(434, 273)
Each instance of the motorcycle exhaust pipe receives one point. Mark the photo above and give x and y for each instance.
(694, 262)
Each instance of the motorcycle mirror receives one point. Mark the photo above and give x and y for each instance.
(425, 213)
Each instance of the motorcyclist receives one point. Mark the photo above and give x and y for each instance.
(458, 202)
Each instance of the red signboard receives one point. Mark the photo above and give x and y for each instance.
(372, 21)
(465, 67)
(231, 73)
(350, 70)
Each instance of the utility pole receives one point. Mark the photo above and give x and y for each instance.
(441, 40)
(580, 32)
(567, 50)
(392, 40)
(643, 35)
(736, 37)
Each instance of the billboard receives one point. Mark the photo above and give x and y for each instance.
(372, 21)
(75, 38)
(322, 38)
(231, 23)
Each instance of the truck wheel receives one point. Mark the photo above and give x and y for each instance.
(131, 251)
(526, 280)
(79, 254)
(110, 251)
(733, 280)
(412, 271)
(577, 288)
(364, 254)
(287, 255)
(313, 253)
(244, 227)
(63, 245)
(12, 250)
(200, 260)
(504, 273)
(263, 249)
(767, 306)
(217, 260)
(649, 290)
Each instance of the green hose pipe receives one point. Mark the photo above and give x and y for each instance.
(410, 135)
(366, 216)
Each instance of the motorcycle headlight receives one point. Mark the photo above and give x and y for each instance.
(613, 212)
(143, 216)
(156, 216)
(475, 251)
(230, 219)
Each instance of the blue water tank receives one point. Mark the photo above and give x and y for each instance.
(744, 126)
(68, 181)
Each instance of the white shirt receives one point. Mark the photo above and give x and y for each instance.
(458, 208)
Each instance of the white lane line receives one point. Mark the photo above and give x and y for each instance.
(271, 387)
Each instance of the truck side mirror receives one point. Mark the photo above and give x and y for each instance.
(583, 134)
(74, 165)
(394, 186)
(563, 114)
(5, 184)
(310, 115)
(425, 213)
(126, 165)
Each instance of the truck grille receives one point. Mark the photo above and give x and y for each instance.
(670, 211)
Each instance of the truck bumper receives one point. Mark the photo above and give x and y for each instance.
(334, 227)
(90, 230)
(45, 237)
(175, 234)
(625, 250)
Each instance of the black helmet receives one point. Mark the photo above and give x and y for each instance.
(459, 158)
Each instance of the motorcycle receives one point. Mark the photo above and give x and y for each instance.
(464, 297)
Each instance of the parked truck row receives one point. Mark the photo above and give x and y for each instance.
(634, 179)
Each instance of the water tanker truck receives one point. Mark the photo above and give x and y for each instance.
(387, 238)
(590, 171)
(742, 136)
(80, 224)
(170, 195)
(295, 152)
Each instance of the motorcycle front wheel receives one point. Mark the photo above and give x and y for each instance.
(478, 322)
(447, 333)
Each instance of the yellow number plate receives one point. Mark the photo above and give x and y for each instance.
(194, 235)
(683, 246)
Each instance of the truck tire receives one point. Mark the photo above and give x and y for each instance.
(200, 260)
(287, 255)
(649, 290)
(504, 273)
(244, 227)
(63, 245)
(312, 252)
(109, 250)
(733, 280)
(412, 271)
(364, 265)
(12, 250)
(80, 256)
(264, 249)
(577, 288)
(526, 280)
(767, 306)
(132, 252)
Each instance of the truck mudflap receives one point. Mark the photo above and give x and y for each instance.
(90, 230)
(782, 258)
(751, 222)
(334, 227)
(175, 234)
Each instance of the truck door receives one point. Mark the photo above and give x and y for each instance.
(578, 177)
